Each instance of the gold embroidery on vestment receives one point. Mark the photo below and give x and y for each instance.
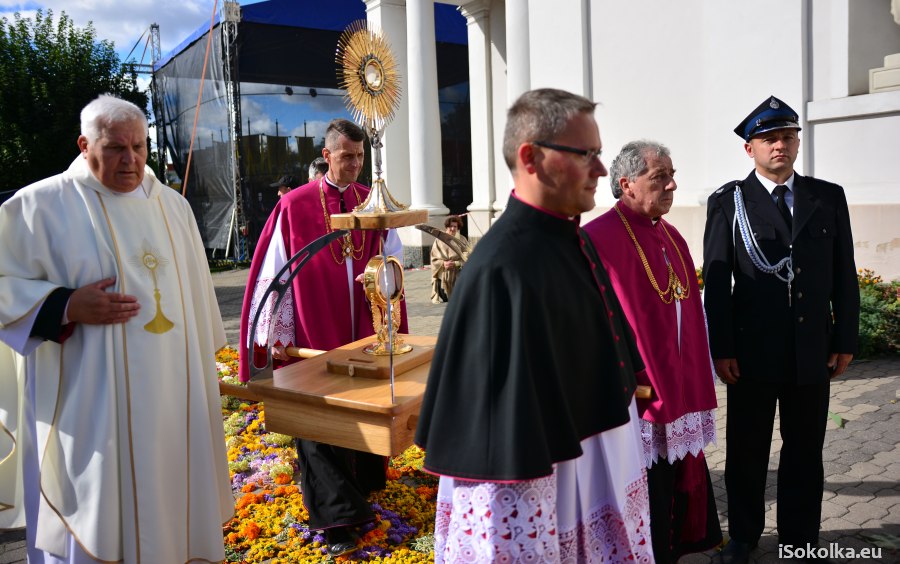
(150, 259)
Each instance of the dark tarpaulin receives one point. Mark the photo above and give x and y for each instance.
(210, 186)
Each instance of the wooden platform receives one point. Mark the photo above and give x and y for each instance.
(356, 363)
(240, 392)
(305, 400)
(364, 220)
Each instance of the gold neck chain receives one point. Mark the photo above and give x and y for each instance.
(345, 242)
(675, 289)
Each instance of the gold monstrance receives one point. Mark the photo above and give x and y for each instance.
(367, 71)
(343, 403)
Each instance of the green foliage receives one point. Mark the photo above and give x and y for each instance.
(423, 544)
(879, 316)
(884, 540)
(838, 420)
(222, 265)
(48, 72)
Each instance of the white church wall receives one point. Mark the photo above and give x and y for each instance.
(858, 155)
(872, 35)
(861, 155)
(558, 38)
(685, 74)
(502, 178)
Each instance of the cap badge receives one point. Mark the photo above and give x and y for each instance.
(773, 104)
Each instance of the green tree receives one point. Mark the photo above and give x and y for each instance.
(48, 73)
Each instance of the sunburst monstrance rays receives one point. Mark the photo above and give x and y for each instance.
(367, 71)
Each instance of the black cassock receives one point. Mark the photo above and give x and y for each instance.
(336, 482)
(534, 354)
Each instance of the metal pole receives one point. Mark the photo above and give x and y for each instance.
(231, 17)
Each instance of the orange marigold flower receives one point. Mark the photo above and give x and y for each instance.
(426, 492)
(246, 500)
(373, 536)
(283, 479)
(250, 531)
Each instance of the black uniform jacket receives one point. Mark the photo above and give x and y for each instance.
(754, 321)
(534, 354)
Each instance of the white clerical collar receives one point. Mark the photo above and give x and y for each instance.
(770, 185)
(333, 185)
(140, 193)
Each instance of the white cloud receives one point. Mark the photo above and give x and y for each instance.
(314, 129)
(124, 23)
(260, 121)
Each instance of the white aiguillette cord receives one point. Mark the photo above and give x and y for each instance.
(757, 257)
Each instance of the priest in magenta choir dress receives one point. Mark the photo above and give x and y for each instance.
(111, 440)
(529, 416)
(325, 308)
(653, 275)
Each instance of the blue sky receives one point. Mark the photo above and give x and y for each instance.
(124, 21)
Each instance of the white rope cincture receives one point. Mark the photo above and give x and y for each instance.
(757, 257)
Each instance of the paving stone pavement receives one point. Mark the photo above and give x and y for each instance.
(862, 458)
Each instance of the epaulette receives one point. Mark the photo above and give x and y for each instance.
(727, 188)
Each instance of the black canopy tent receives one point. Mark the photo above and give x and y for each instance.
(277, 48)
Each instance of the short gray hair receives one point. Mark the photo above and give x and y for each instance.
(540, 115)
(631, 162)
(108, 110)
(319, 165)
(345, 127)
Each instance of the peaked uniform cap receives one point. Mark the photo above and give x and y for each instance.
(286, 180)
(772, 114)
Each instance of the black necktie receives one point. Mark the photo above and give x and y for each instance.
(780, 191)
(340, 196)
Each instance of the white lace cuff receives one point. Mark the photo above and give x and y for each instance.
(673, 441)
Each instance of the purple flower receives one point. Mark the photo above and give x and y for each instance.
(375, 550)
(302, 530)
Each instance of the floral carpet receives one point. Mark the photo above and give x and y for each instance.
(270, 521)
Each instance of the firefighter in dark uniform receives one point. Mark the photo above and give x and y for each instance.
(787, 325)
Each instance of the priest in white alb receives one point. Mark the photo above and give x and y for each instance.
(112, 446)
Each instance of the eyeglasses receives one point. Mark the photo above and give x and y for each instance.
(588, 155)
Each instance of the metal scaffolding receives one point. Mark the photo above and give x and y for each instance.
(231, 17)
(156, 96)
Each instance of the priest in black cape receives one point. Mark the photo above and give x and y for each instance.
(529, 415)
